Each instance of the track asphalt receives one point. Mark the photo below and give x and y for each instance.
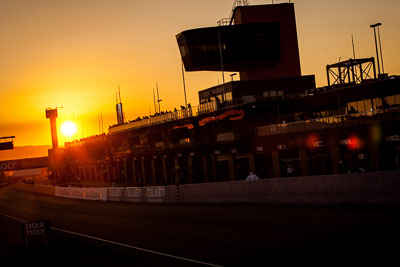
(219, 234)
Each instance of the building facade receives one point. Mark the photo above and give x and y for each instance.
(272, 122)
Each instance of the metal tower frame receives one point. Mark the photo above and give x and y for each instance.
(352, 71)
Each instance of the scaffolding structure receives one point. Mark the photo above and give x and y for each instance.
(352, 71)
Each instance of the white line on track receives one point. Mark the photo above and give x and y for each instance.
(121, 244)
(8, 216)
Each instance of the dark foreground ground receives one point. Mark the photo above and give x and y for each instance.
(227, 235)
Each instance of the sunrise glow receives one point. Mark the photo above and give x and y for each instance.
(77, 59)
(68, 128)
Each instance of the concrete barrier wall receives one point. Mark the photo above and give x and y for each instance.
(382, 187)
(358, 188)
(42, 189)
(92, 193)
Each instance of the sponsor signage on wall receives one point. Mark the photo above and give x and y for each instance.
(82, 193)
(31, 163)
(114, 194)
(134, 194)
(8, 165)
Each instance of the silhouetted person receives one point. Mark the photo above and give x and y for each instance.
(352, 110)
(218, 102)
(290, 170)
(342, 168)
(252, 177)
(385, 104)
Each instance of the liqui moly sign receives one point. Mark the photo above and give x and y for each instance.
(36, 228)
(8, 165)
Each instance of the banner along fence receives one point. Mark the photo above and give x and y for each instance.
(89, 193)
(156, 194)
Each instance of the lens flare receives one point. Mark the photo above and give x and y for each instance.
(68, 128)
(354, 143)
(313, 141)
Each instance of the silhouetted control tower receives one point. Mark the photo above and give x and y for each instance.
(260, 42)
(52, 115)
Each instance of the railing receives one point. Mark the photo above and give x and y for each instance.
(330, 122)
(223, 22)
(306, 125)
(227, 21)
(168, 116)
(158, 119)
(207, 107)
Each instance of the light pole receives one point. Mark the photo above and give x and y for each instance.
(220, 55)
(184, 84)
(376, 44)
(233, 74)
(380, 48)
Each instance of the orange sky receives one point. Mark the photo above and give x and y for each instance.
(74, 53)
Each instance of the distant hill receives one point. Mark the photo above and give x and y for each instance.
(22, 152)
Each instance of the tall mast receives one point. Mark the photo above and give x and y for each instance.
(158, 99)
(154, 99)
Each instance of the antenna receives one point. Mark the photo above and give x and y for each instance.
(73, 120)
(102, 125)
(154, 100)
(98, 122)
(354, 51)
(158, 99)
(83, 136)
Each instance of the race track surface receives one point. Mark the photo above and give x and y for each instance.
(197, 235)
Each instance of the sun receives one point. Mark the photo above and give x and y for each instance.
(68, 128)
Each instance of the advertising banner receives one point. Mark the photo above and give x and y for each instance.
(137, 194)
(82, 193)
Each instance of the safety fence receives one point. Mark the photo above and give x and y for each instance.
(357, 188)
